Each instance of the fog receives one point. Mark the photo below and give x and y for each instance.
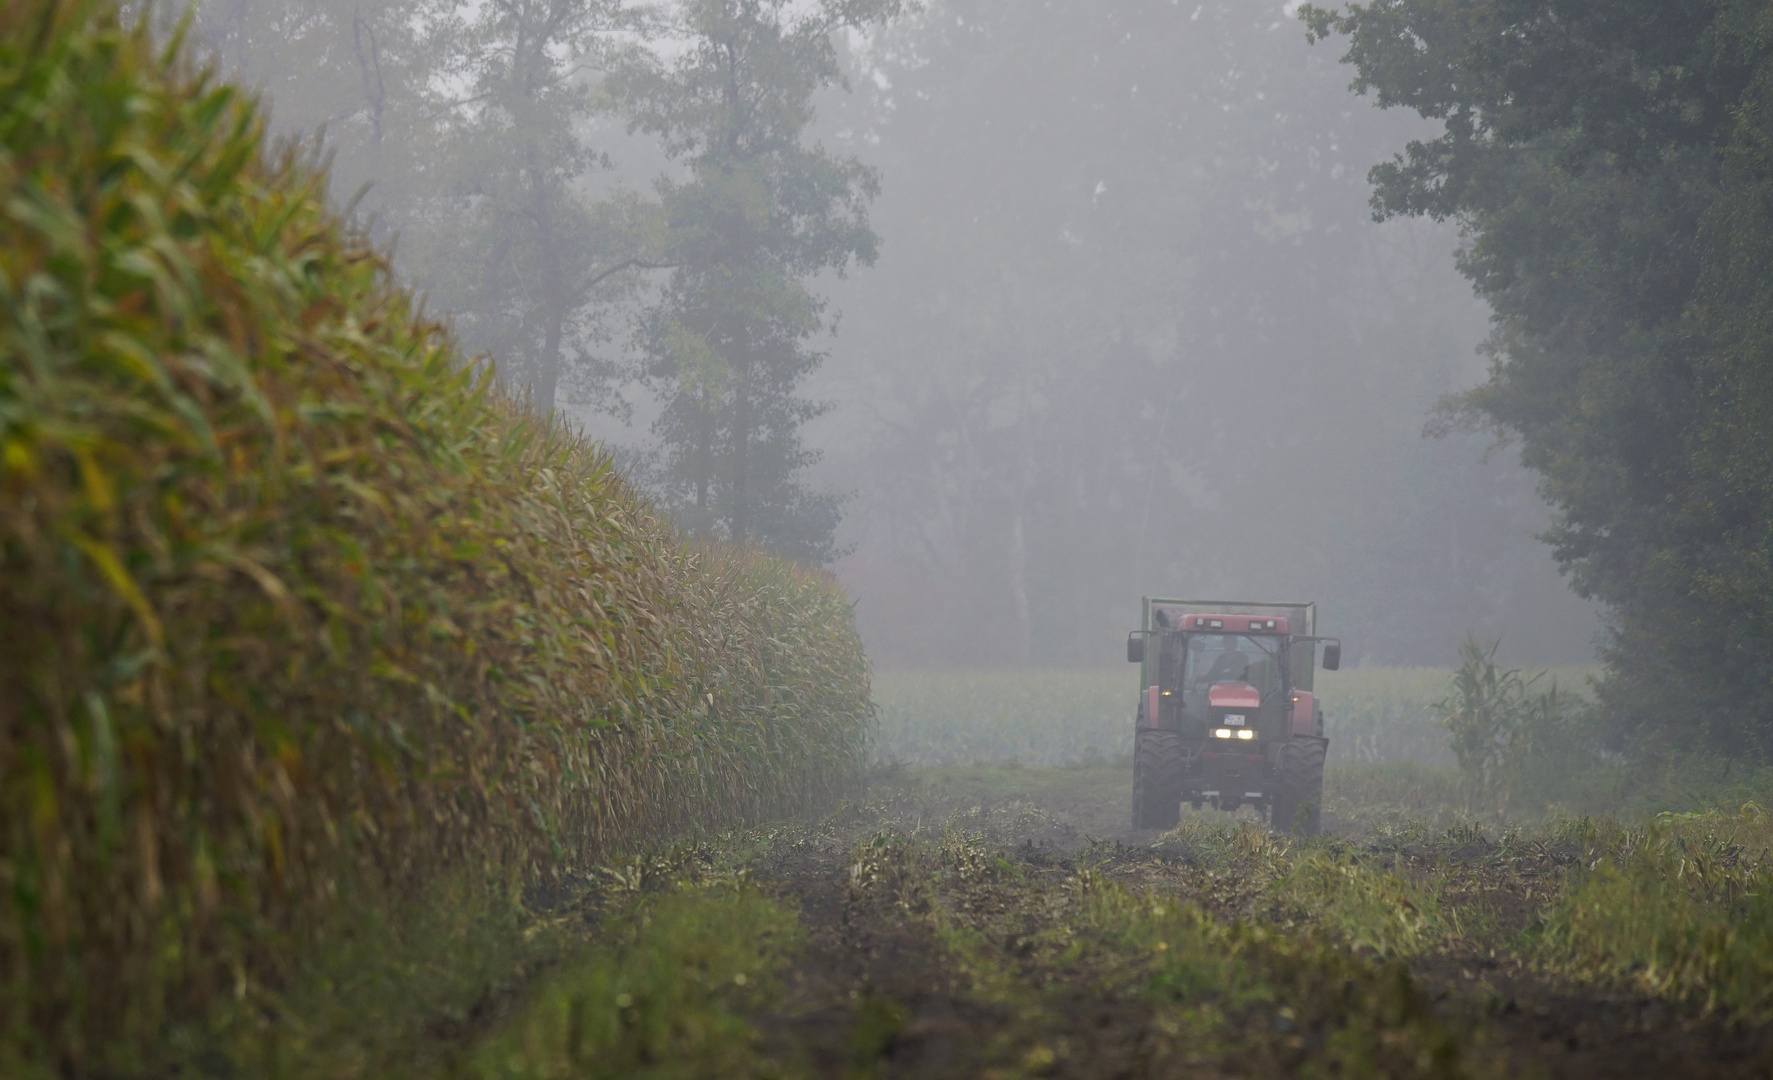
(1132, 329)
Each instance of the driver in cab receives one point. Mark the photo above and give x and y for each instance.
(1229, 666)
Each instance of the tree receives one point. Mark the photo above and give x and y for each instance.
(466, 131)
(1609, 159)
(726, 344)
(512, 242)
(357, 71)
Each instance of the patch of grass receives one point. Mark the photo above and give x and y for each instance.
(1369, 908)
(1682, 908)
(1216, 989)
(647, 967)
(1220, 925)
(1348, 893)
(1221, 842)
(377, 996)
(1392, 795)
(666, 993)
(1287, 1000)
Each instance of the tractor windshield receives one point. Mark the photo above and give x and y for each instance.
(1213, 658)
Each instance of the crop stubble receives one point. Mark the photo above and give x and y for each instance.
(1000, 922)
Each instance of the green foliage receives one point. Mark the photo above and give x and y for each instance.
(299, 611)
(1609, 160)
(1214, 982)
(726, 342)
(1225, 982)
(359, 999)
(1499, 728)
(1393, 794)
(1682, 908)
(1369, 909)
(508, 240)
(664, 993)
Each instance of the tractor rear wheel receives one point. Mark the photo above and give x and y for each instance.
(1157, 779)
(1299, 789)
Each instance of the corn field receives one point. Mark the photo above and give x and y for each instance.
(298, 611)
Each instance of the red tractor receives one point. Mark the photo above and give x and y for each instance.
(1226, 716)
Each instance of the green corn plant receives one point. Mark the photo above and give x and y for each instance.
(1499, 728)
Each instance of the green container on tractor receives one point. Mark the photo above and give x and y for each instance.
(1227, 716)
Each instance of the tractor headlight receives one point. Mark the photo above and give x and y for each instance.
(1245, 733)
(1223, 733)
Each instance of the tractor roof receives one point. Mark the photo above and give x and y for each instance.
(1225, 623)
(1234, 615)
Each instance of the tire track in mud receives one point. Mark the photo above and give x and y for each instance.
(950, 955)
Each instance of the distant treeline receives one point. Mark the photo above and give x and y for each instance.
(1612, 162)
(298, 611)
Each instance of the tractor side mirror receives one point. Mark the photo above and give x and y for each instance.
(1135, 648)
(1333, 656)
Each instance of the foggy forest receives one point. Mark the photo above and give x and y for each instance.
(1124, 276)
(886, 538)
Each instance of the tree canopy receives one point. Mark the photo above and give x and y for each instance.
(1611, 162)
(726, 343)
(481, 134)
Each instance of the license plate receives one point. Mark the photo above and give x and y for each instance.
(1233, 720)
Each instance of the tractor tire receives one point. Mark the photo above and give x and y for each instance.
(1157, 779)
(1299, 789)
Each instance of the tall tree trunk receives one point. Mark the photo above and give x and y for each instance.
(1019, 592)
(1018, 536)
(548, 364)
(547, 374)
(740, 521)
(703, 460)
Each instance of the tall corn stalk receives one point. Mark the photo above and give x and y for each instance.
(1496, 723)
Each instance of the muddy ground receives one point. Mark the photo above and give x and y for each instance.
(961, 962)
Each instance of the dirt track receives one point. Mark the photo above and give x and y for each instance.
(955, 963)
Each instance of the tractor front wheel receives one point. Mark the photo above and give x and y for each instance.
(1299, 789)
(1157, 779)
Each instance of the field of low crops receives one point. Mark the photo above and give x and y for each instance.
(1045, 718)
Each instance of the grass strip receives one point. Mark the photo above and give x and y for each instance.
(666, 993)
(1681, 908)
